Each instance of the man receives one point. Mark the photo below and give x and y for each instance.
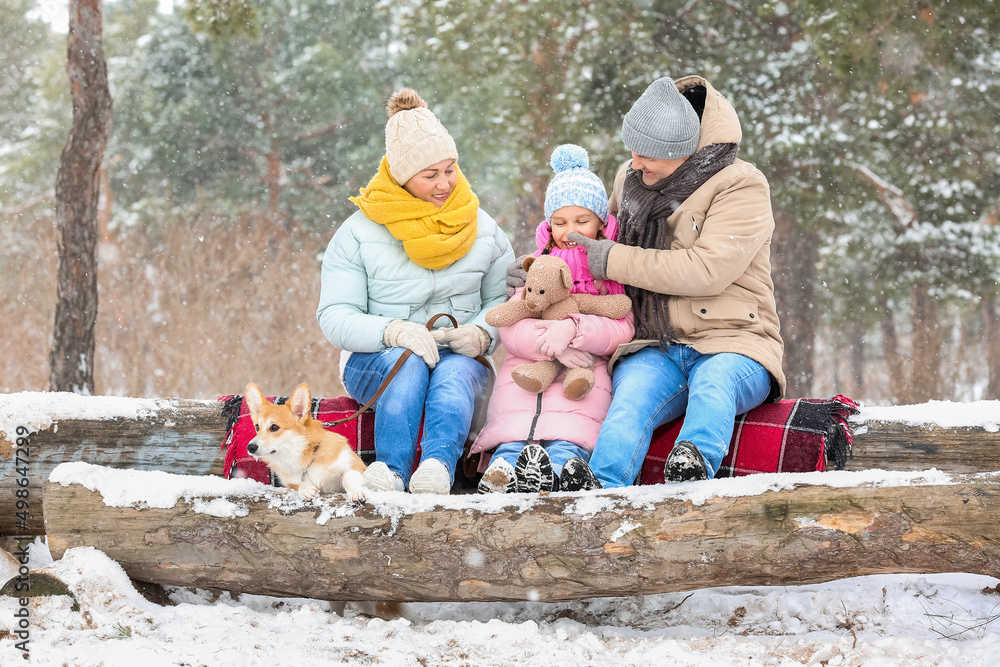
(694, 254)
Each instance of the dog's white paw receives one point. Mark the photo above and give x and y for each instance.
(356, 495)
(308, 491)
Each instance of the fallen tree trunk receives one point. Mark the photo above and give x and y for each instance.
(184, 437)
(549, 548)
(897, 446)
(174, 435)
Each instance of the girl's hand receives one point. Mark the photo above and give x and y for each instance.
(574, 358)
(557, 336)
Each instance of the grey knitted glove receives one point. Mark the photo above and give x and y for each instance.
(466, 339)
(597, 253)
(516, 275)
(412, 336)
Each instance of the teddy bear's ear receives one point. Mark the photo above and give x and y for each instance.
(567, 276)
(528, 261)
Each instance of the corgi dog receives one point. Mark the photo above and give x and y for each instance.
(304, 455)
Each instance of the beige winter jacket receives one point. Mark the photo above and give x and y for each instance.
(718, 266)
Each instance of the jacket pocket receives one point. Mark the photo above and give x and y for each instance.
(465, 306)
(688, 229)
(726, 312)
(397, 311)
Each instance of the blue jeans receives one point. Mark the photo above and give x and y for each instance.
(657, 385)
(559, 452)
(445, 396)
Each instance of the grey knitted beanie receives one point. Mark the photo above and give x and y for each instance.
(662, 123)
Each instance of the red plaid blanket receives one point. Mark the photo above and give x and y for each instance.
(798, 435)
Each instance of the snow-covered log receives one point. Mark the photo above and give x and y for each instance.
(764, 530)
(183, 436)
(38, 431)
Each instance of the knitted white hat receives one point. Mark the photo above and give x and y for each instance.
(414, 138)
(662, 123)
(574, 184)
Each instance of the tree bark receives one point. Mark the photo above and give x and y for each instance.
(991, 327)
(558, 548)
(185, 437)
(71, 359)
(796, 254)
(890, 348)
(928, 339)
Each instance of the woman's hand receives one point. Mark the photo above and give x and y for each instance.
(556, 337)
(466, 339)
(412, 336)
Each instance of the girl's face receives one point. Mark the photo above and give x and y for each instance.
(434, 183)
(573, 219)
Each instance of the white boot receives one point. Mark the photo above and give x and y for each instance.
(498, 478)
(431, 476)
(378, 477)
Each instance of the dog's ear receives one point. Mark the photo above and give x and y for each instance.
(255, 400)
(301, 402)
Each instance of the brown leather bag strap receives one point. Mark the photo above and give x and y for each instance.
(399, 364)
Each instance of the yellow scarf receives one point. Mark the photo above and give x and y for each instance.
(432, 237)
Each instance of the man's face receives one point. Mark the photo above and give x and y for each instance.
(654, 169)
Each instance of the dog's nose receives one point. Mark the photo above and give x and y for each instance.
(252, 447)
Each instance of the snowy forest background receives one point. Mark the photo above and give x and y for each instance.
(241, 127)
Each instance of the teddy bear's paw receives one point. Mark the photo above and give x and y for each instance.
(578, 383)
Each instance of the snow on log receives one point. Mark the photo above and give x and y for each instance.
(184, 436)
(765, 530)
(38, 431)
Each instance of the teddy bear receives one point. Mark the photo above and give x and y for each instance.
(547, 296)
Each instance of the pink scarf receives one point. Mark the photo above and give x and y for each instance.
(583, 282)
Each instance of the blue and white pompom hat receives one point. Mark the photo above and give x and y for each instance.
(574, 184)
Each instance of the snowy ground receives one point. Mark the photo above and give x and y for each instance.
(949, 619)
(946, 619)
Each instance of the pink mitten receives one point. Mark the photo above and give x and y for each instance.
(574, 358)
(557, 336)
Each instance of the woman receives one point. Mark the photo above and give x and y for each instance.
(419, 245)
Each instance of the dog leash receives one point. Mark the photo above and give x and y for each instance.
(399, 364)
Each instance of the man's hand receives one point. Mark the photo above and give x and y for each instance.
(516, 275)
(597, 253)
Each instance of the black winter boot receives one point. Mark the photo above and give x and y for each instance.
(533, 470)
(577, 476)
(685, 464)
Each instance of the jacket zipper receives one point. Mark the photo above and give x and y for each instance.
(534, 420)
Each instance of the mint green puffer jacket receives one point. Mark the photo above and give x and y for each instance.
(368, 281)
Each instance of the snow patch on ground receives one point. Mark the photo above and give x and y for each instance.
(946, 619)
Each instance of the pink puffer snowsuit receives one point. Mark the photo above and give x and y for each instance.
(515, 414)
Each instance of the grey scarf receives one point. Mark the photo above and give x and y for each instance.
(642, 222)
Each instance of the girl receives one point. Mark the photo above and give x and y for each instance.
(528, 430)
(418, 245)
